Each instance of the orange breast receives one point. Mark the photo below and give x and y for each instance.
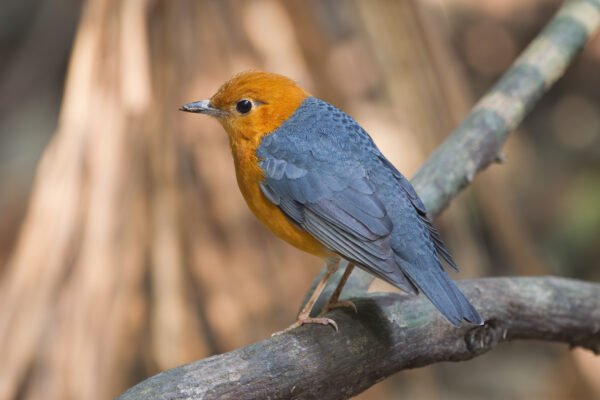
(249, 176)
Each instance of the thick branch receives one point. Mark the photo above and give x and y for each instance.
(391, 332)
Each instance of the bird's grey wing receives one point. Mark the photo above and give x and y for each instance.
(336, 204)
(415, 200)
(321, 169)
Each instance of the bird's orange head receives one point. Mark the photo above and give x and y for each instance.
(252, 104)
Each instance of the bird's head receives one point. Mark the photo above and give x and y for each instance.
(252, 104)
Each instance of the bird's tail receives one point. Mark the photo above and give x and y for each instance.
(433, 281)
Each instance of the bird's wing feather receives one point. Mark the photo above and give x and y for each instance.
(335, 203)
(421, 210)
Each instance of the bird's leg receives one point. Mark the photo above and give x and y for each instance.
(304, 316)
(334, 300)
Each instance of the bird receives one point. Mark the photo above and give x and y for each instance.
(317, 180)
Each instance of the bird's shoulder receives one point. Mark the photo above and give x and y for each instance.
(319, 151)
(318, 131)
(321, 136)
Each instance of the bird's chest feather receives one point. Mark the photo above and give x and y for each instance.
(249, 175)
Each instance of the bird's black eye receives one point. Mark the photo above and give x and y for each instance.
(243, 106)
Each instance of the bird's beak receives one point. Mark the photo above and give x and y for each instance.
(202, 107)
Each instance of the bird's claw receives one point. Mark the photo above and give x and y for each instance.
(308, 320)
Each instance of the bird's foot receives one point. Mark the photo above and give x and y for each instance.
(308, 320)
(339, 304)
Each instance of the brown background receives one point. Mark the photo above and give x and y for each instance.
(125, 246)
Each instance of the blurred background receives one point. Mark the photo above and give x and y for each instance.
(126, 248)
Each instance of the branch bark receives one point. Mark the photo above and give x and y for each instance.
(391, 332)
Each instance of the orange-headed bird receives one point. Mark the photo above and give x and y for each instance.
(312, 175)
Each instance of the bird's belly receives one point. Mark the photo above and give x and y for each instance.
(249, 175)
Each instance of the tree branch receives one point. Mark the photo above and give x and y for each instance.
(477, 142)
(391, 332)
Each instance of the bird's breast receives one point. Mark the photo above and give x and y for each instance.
(249, 176)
